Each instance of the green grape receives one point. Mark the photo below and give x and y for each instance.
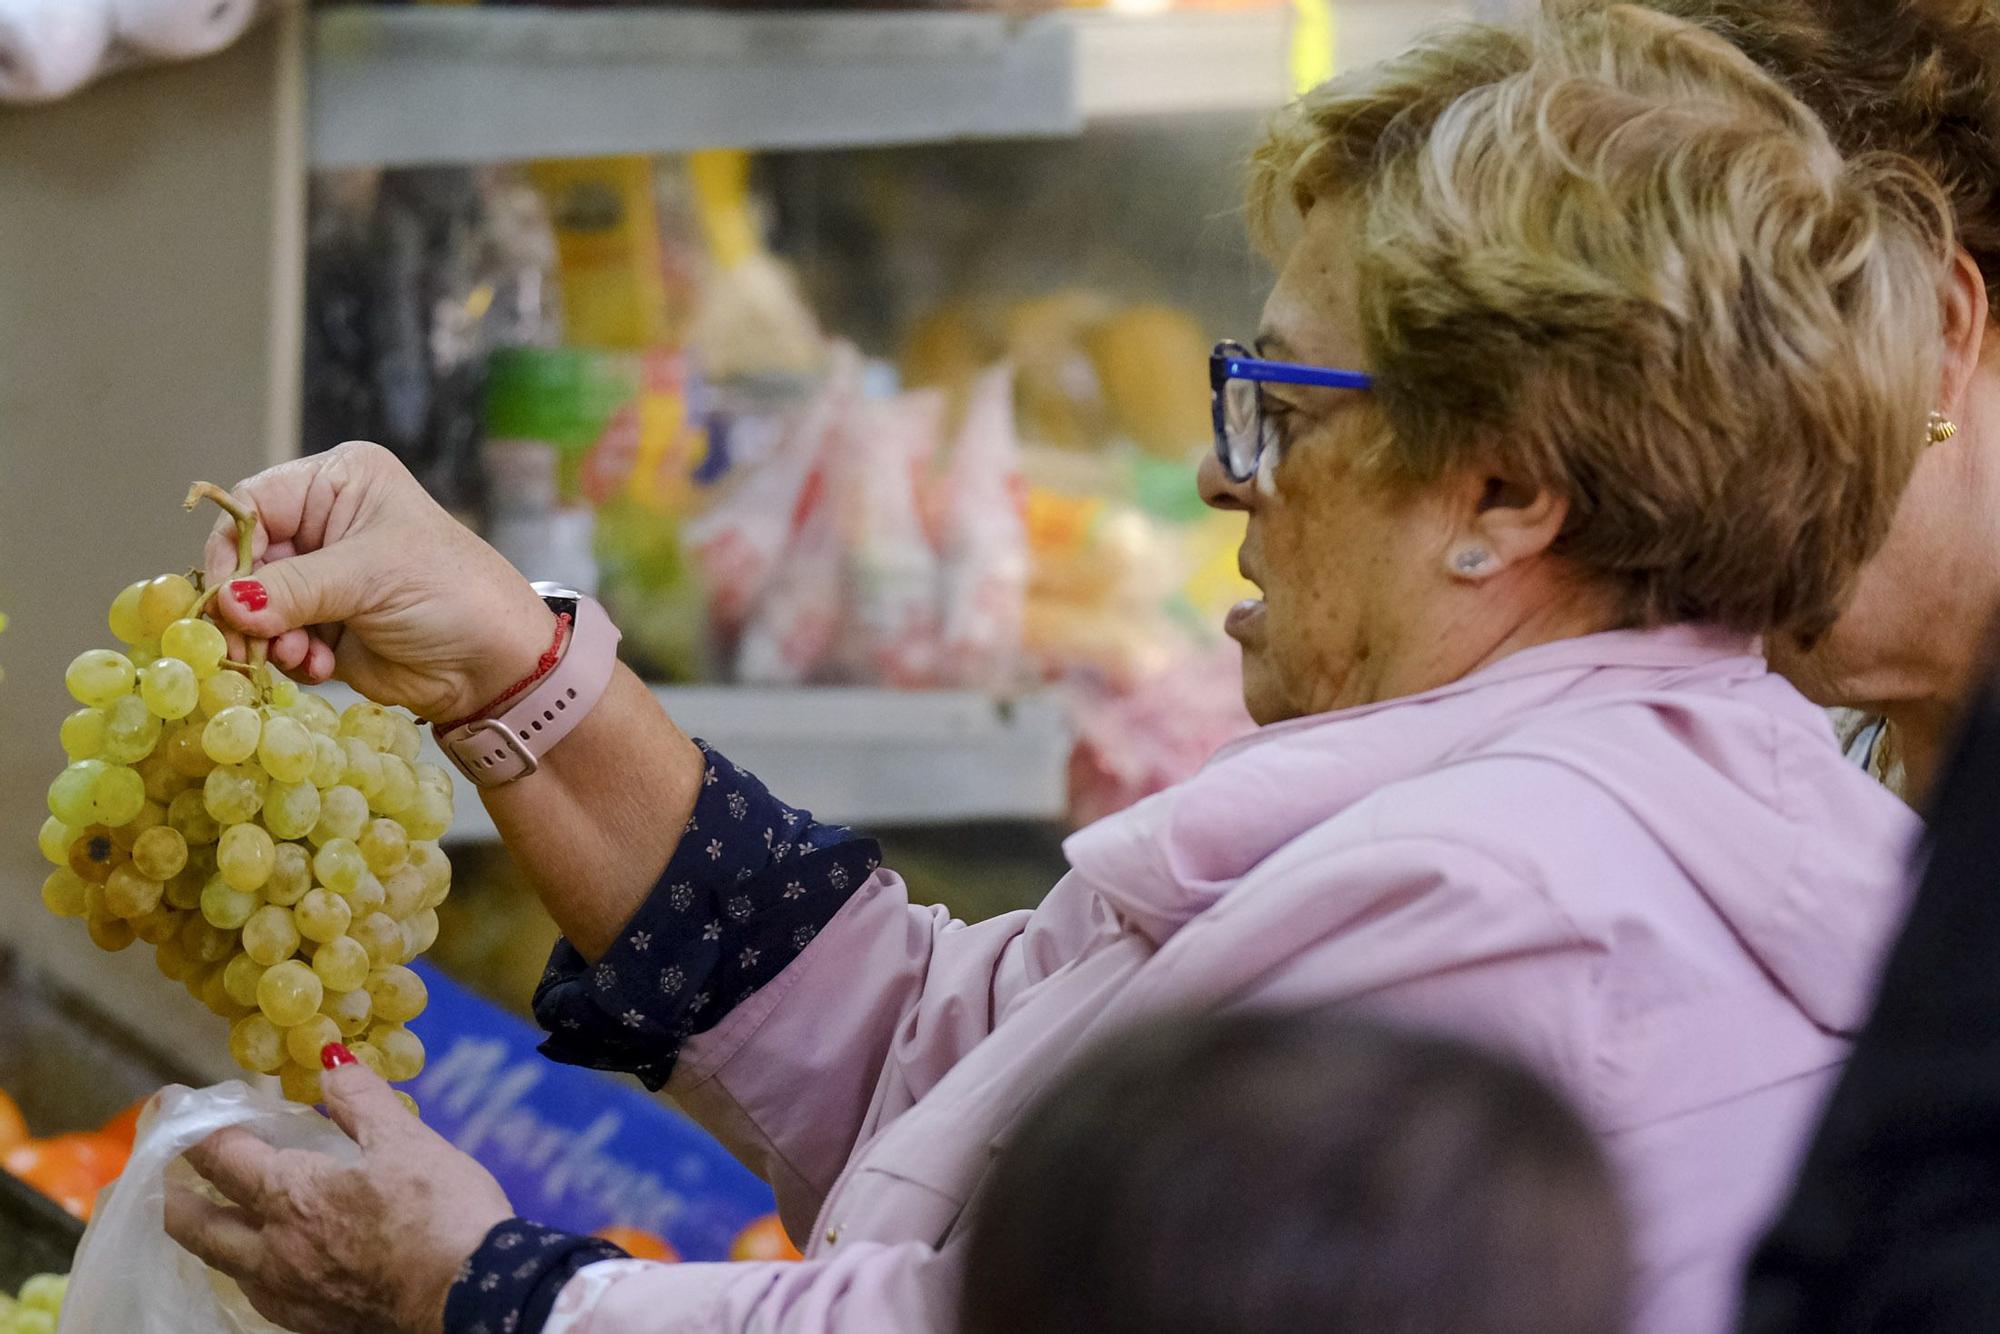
(284, 692)
(93, 856)
(399, 787)
(419, 933)
(428, 818)
(270, 936)
(339, 865)
(98, 676)
(320, 718)
(83, 734)
(299, 1083)
(384, 846)
(399, 994)
(233, 793)
(163, 601)
(382, 936)
(257, 1044)
(224, 906)
(195, 642)
(405, 741)
(54, 840)
(184, 753)
(231, 736)
(304, 1042)
(214, 993)
(129, 894)
(173, 960)
(245, 855)
(239, 979)
(187, 815)
(117, 796)
(403, 892)
(291, 810)
(130, 730)
(124, 616)
(163, 784)
(329, 761)
(160, 853)
(364, 767)
(349, 1010)
(366, 896)
(169, 688)
(111, 934)
(226, 690)
(367, 722)
(342, 964)
(437, 871)
(69, 794)
(158, 926)
(431, 777)
(204, 941)
(366, 1054)
(322, 915)
(289, 993)
(291, 876)
(184, 890)
(142, 653)
(34, 1322)
(342, 813)
(44, 1292)
(402, 1051)
(286, 750)
(64, 893)
(151, 815)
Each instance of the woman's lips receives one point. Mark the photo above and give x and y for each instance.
(1243, 618)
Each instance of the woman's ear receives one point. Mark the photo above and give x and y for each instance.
(1966, 313)
(1503, 523)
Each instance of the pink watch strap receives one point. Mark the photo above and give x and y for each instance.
(495, 751)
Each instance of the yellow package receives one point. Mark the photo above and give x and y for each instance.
(608, 240)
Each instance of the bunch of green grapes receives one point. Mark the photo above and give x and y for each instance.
(280, 857)
(37, 1308)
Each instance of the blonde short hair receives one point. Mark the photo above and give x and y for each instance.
(1607, 255)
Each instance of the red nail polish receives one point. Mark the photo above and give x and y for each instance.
(334, 1055)
(250, 593)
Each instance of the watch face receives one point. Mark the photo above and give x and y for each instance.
(546, 589)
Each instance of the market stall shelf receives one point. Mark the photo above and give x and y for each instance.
(867, 756)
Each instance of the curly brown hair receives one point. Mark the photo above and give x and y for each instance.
(1916, 77)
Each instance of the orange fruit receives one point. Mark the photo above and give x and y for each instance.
(13, 1126)
(69, 1169)
(764, 1239)
(124, 1127)
(641, 1244)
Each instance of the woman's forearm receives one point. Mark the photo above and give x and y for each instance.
(594, 826)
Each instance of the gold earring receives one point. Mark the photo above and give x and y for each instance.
(1942, 428)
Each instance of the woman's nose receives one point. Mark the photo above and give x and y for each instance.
(1217, 491)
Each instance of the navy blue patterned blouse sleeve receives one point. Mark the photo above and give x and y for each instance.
(750, 885)
(509, 1285)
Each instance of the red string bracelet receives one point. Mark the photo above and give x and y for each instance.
(543, 666)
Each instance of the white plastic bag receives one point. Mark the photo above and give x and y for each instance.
(130, 1277)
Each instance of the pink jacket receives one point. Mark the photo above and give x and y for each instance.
(1636, 860)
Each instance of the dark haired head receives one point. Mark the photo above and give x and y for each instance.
(1260, 1172)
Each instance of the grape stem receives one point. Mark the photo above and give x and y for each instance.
(246, 534)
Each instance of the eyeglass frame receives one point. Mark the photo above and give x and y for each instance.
(1232, 361)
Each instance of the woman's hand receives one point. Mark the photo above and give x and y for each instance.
(323, 1247)
(361, 575)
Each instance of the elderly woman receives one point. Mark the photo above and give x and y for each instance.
(1590, 361)
(1920, 78)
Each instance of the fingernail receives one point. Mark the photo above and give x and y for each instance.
(334, 1055)
(250, 593)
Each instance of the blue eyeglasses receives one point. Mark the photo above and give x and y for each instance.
(1241, 433)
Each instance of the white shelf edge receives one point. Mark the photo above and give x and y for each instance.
(410, 86)
(1177, 63)
(863, 756)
